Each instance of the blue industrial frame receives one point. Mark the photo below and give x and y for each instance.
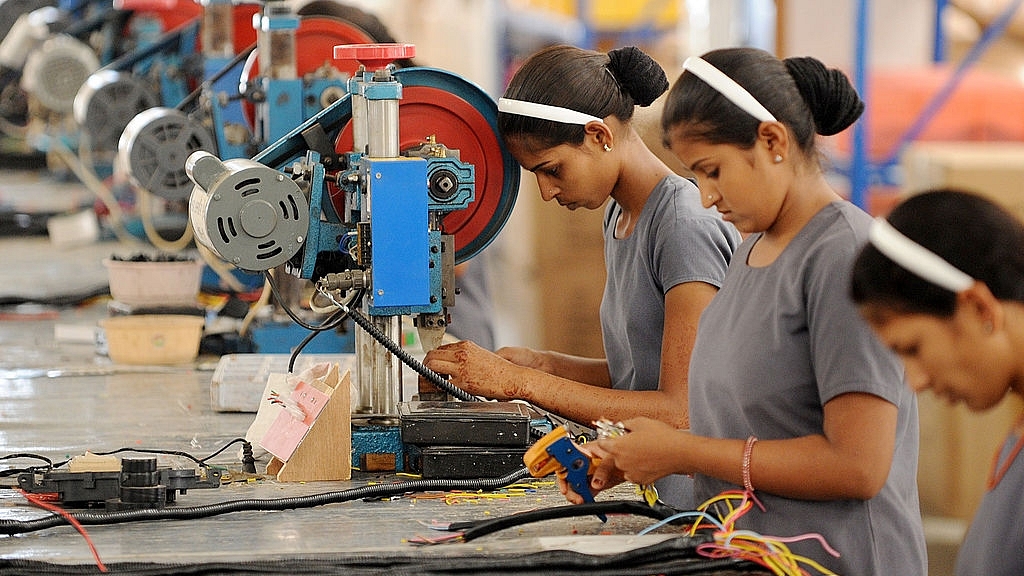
(862, 172)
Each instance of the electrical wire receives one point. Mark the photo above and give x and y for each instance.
(634, 507)
(284, 304)
(333, 321)
(771, 552)
(396, 349)
(62, 513)
(375, 491)
(50, 465)
(364, 323)
(13, 471)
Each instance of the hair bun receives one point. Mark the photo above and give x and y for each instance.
(833, 101)
(638, 74)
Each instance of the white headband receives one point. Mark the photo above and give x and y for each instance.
(728, 87)
(917, 258)
(545, 112)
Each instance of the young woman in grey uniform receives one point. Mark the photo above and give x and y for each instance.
(942, 284)
(566, 117)
(791, 396)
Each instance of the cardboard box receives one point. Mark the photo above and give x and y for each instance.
(957, 447)
(992, 169)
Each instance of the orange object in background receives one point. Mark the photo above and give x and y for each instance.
(984, 106)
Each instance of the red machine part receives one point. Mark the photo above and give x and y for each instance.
(172, 13)
(425, 111)
(316, 38)
(374, 56)
(175, 13)
(245, 34)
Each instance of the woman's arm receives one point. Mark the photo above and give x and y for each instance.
(850, 460)
(482, 373)
(592, 371)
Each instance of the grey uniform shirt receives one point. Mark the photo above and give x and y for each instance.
(994, 545)
(776, 344)
(675, 240)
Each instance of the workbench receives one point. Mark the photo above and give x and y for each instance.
(60, 399)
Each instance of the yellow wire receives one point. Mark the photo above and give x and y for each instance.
(771, 553)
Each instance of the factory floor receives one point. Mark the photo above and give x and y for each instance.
(60, 398)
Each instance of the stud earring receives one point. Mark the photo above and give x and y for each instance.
(778, 158)
(709, 196)
(607, 148)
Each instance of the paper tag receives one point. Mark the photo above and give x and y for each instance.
(291, 425)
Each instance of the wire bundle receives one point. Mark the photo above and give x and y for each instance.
(768, 551)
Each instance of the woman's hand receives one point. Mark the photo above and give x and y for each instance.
(572, 496)
(526, 357)
(649, 451)
(476, 370)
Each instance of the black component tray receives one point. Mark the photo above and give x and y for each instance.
(465, 423)
(458, 462)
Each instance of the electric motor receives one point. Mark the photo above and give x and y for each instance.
(107, 102)
(154, 146)
(249, 215)
(54, 73)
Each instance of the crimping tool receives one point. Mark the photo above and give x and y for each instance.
(557, 453)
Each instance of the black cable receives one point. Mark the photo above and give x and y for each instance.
(10, 527)
(332, 321)
(284, 305)
(146, 451)
(676, 556)
(433, 377)
(634, 507)
(243, 441)
(51, 465)
(33, 469)
(396, 349)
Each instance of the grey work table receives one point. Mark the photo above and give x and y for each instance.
(95, 406)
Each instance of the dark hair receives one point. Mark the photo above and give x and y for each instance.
(970, 232)
(598, 84)
(800, 92)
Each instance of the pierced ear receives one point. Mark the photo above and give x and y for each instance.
(600, 132)
(978, 302)
(775, 136)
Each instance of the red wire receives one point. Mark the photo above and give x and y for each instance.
(71, 520)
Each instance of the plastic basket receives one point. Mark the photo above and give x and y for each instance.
(153, 338)
(154, 283)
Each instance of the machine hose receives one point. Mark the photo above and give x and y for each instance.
(11, 527)
(433, 377)
(632, 507)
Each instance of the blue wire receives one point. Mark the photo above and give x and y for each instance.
(693, 514)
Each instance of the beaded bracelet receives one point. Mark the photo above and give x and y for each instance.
(748, 448)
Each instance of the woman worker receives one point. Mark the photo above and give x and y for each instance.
(790, 393)
(566, 117)
(942, 284)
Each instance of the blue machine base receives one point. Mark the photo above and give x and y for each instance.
(377, 439)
